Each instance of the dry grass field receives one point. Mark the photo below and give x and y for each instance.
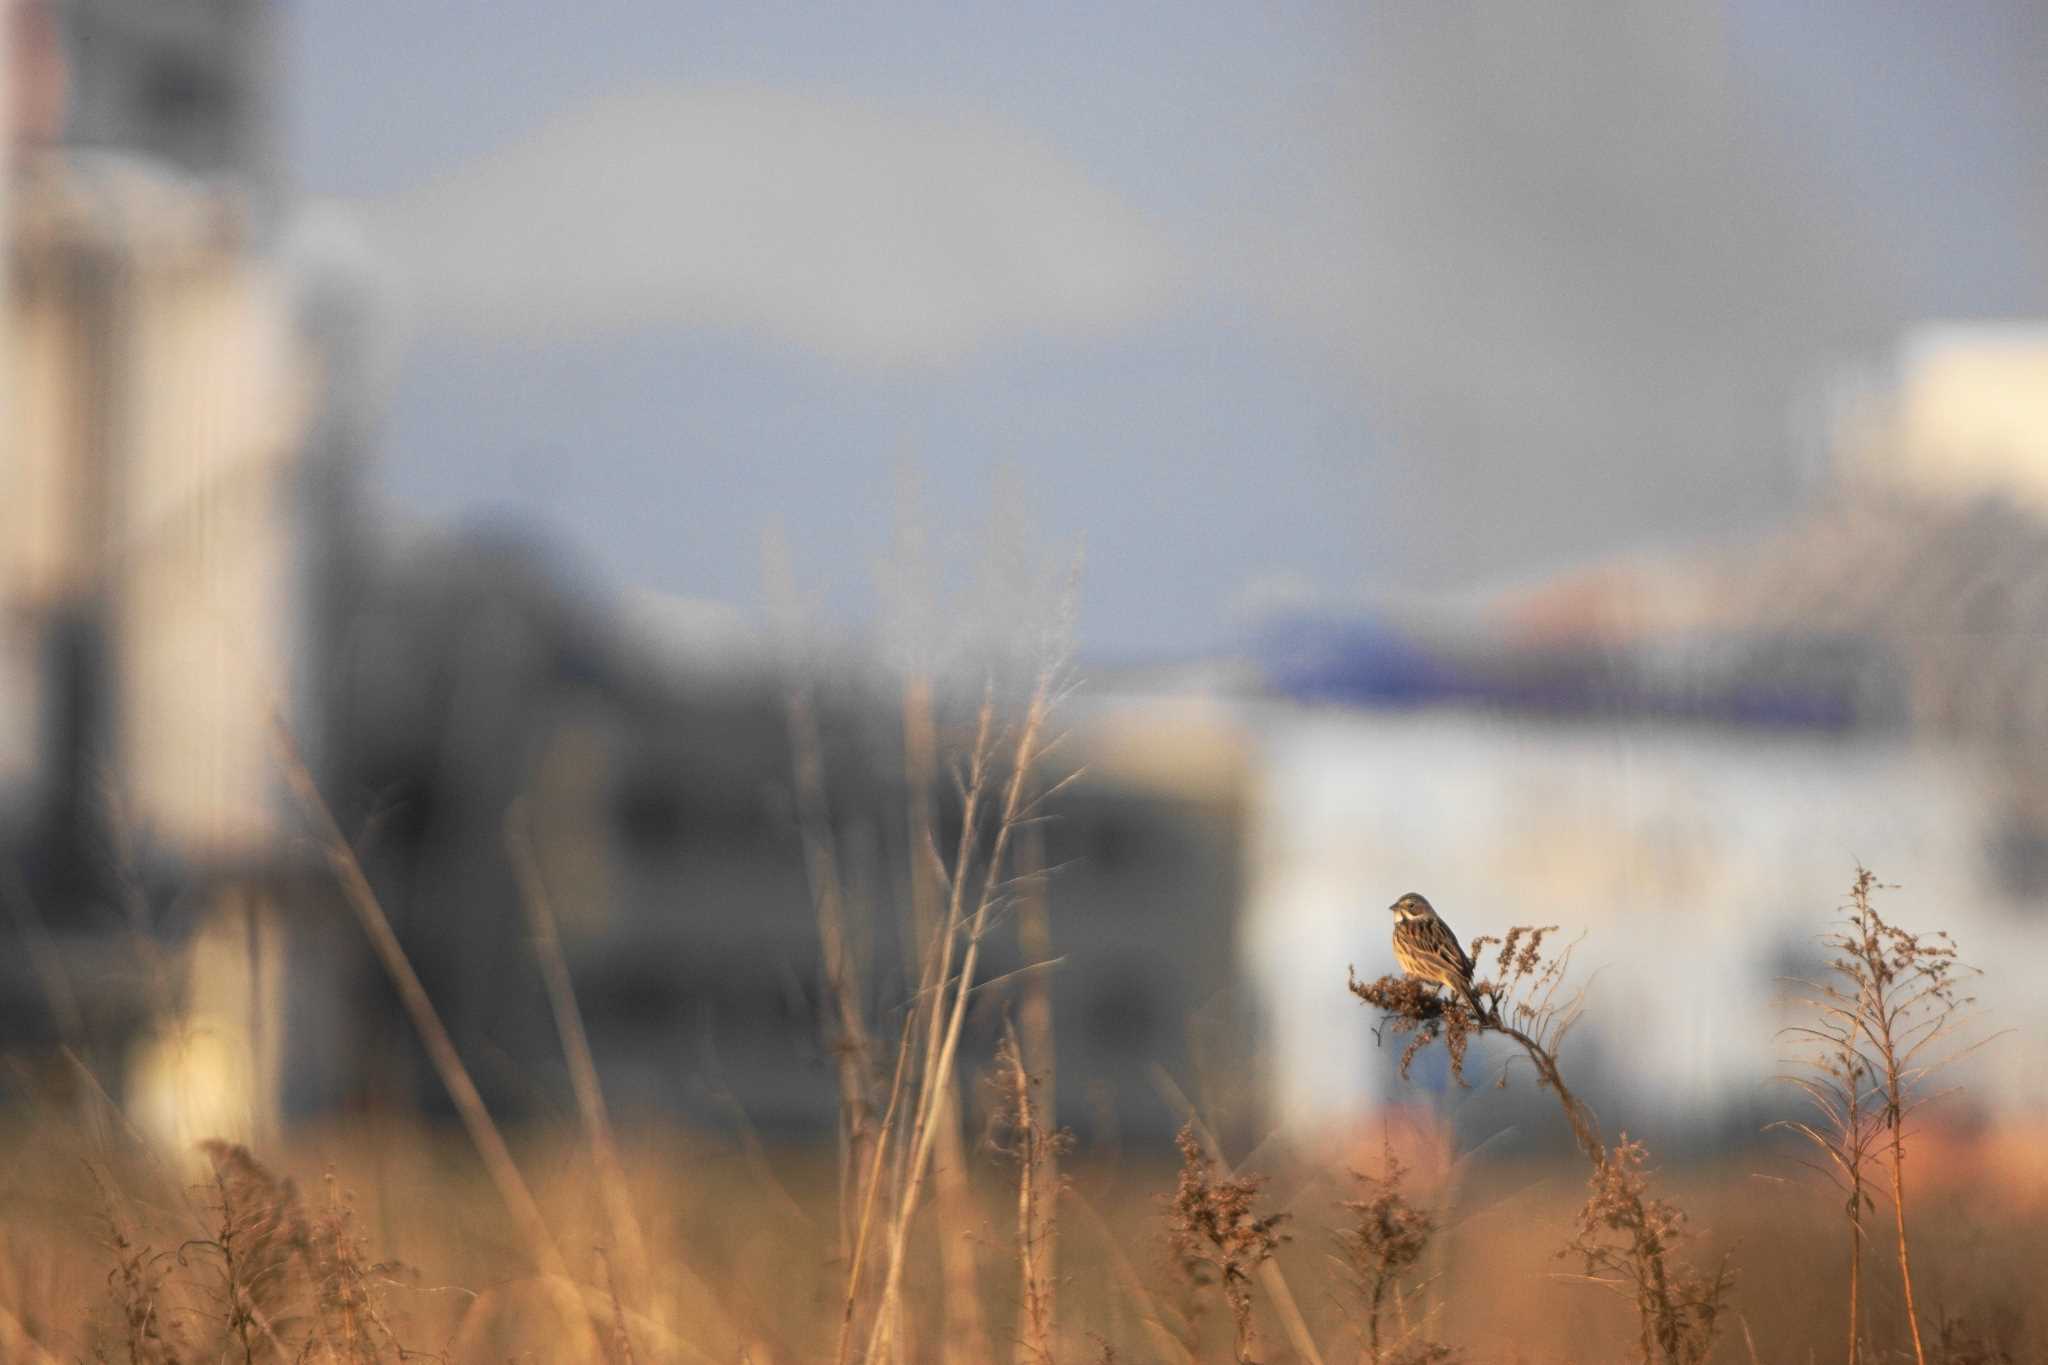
(393, 1245)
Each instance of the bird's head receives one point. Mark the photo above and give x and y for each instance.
(1411, 906)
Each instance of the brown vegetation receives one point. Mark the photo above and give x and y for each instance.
(1885, 1021)
(743, 1266)
(1217, 1235)
(1380, 1247)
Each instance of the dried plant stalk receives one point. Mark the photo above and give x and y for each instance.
(1017, 805)
(1384, 1240)
(1037, 1059)
(590, 1105)
(966, 1335)
(954, 899)
(476, 1117)
(1830, 1069)
(1627, 1239)
(852, 1049)
(1217, 1236)
(1888, 1017)
(1526, 1003)
(1018, 1131)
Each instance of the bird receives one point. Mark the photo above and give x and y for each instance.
(1425, 947)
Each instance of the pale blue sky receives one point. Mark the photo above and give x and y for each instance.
(1309, 300)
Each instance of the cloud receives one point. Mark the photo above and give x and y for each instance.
(871, 236)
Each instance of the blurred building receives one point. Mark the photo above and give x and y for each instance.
(1960, 412)
(647, 750)
(1684, 756)
(155, 583)
(185, 84)
(150, 528)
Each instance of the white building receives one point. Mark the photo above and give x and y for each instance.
(1698, 863)
(159, 410)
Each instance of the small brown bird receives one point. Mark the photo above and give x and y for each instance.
(1425, 947)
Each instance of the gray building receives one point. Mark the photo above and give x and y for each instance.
(656, 780)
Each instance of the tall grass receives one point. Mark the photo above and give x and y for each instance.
(1886, 1021)
(452, 1280)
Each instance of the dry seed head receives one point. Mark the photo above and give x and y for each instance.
(1388, 1234)
(1413, 1007)
(1213, 1228)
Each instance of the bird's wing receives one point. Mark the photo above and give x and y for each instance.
(1452, 948)
(1462, 955)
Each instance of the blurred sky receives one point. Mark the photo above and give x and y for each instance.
(1271, 303)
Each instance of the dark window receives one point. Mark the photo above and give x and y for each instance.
(2019, 860)
(1106, 842)
(1121, 1014)
(176, 93)
(408, 813)
(649, 811)
(662, 810)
